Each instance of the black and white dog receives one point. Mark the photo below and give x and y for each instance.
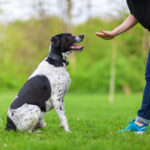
(45, 88)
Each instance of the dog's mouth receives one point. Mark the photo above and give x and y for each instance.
(77, 39)
(76, 47)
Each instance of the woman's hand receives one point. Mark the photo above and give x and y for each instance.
(125, 26)
(106, 35)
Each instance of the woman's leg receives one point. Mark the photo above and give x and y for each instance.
(144, 112)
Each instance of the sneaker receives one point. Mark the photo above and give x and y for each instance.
(135, 128)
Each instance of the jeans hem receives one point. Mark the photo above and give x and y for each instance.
(142, 120)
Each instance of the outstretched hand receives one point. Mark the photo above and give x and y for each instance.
(106, 35)
(125, 26)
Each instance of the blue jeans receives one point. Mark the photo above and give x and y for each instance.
(144, 112)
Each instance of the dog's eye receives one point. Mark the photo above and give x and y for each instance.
(68, 38)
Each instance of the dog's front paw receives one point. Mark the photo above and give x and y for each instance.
(67, 130)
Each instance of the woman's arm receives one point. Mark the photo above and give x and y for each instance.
(125, 26)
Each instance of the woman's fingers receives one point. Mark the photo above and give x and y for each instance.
(99, 34)
(106, 32)
(102, 31)
(106, 35)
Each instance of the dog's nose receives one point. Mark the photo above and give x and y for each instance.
(81, 36)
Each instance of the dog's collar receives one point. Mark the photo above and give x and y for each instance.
(56, 60)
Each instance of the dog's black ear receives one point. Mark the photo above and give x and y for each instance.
(56, 40)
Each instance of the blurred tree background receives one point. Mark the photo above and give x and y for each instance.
(118, 64)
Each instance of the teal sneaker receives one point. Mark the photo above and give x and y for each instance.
(135, 128)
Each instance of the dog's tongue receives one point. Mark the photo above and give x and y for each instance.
(76, 47)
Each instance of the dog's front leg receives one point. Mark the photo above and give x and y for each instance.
(59, 106)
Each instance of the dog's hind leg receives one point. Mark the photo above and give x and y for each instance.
(30, 118)
(10, 125)
(41, 123)
(59, 106)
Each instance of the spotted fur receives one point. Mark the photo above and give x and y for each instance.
(28, 116)
(44, 90)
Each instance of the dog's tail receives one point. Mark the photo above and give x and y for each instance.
(10, 125)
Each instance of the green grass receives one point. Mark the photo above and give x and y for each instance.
(93, 121)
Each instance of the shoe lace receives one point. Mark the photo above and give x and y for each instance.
(130, 122)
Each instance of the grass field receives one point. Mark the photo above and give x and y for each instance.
(93, 121)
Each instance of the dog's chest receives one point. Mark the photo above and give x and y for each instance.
(59, 87)
(58, 76)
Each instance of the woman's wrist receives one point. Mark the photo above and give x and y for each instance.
(125, 26)
(120, 29)
(114, 33)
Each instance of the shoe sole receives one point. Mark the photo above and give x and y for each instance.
(139, 132)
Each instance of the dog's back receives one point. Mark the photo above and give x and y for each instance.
(35, 91)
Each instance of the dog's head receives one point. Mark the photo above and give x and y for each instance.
(66, 42)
